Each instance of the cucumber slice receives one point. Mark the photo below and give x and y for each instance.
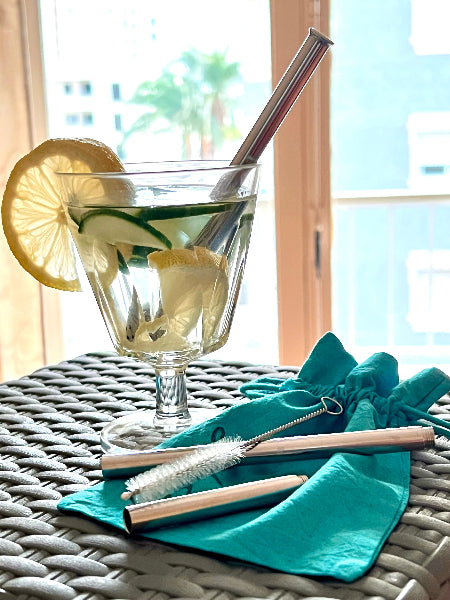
(123, 267)
(114, 226)
(181, 224)
(181, 231)
(76, 213)
(139, 256)
(143, 251)
(157, 213)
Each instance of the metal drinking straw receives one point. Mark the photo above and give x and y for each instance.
(283, 98)
(211, 503)
(285, 94)
(395, 439)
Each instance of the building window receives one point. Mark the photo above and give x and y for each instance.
(433, 169)
(429, 27)
(429, 151)
(116, 91)
(72, 118)
(429, 289)
(118, 122)
(87, 119)
(85, 88)
(68, 88)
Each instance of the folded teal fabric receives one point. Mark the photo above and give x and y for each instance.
(336, 523)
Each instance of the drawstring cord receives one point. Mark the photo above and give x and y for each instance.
(439, 425)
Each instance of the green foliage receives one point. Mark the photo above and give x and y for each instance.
(190, 96)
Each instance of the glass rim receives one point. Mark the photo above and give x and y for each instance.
(224, 166)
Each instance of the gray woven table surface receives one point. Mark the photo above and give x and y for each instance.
(49, 447)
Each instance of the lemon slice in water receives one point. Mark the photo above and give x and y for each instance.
(194, 285)
(32, 215)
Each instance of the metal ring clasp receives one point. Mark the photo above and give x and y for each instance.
(338, 404)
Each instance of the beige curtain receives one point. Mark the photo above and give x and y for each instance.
(27, 339)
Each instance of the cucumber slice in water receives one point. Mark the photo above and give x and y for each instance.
(181, 224)
(114, 226)
(123, 267)
(175, 211)
(181, 230)
(139, 256)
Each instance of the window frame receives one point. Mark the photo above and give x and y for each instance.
(302, 188)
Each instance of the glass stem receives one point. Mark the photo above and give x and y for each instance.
(172, 412)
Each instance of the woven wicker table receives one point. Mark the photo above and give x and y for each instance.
(49, 447)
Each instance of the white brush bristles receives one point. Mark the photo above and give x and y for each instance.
(159, 482)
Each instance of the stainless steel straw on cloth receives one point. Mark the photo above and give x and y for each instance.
(211, 503)
(394, 439)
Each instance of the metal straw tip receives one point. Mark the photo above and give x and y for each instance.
(320, 36)
(429, 437)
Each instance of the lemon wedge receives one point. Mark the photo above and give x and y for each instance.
(194, 284)
(33, 218)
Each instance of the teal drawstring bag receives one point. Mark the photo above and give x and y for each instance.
(336, 523)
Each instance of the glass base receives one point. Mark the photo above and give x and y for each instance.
(137, 431)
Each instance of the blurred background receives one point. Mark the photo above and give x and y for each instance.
(370, 254)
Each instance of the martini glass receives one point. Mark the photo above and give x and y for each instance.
(164, 247)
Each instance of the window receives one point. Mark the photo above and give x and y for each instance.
(433, 169)
(116, 91)
(429, 151)
(73, 119)
(137, 63)
(429, 290)
(68, 89)
(118, 122)
(79, 119)
(429, 27)
(390, 131)
(303, 296)
(85, 88)
(87, 119)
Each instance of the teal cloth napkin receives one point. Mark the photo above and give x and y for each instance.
(336, 523)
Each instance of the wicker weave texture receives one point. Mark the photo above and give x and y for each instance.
(49, 447)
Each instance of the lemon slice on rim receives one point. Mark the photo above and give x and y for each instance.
(33, 218)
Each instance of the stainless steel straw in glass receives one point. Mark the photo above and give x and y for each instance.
(285, 94)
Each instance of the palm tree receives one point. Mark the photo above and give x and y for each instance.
(218, 75)
(190, 96)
